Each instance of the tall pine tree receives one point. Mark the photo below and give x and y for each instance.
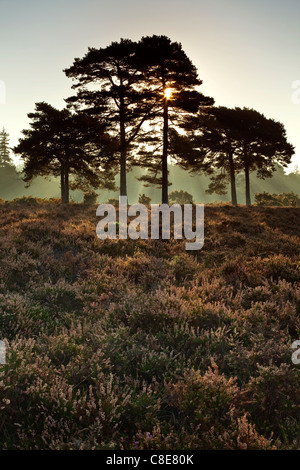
(172, 76)
(111, 86)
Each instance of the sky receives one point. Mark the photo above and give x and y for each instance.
(246, 52)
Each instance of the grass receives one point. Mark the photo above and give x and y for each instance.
(142, 345)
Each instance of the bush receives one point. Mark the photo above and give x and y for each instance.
(143, 199)
(28, 200)
(90, 198)
(180, 197)
(283, 199)
(113, 202)
(32, 201)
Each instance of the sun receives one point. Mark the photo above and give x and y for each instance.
(168, 93)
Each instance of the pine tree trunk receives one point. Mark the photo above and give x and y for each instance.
(62, 184)
(232, 180)
(247, 178)
(67, 191)
(123, 184)
(123, 176)
(165, 196)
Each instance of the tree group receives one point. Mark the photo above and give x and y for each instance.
(229, 141)
(138, 103)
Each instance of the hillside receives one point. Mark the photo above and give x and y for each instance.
(141, 345)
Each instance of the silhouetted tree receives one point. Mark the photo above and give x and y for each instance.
(63, 144)
(220, 135)
(10, 181)
(233, 140)
(111, 85)
(5, 158)
(262, 145)
(171, 75)
(192, 153)
(209, 147)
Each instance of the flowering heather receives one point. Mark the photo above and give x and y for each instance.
(142, 345)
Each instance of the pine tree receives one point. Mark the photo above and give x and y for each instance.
(233, 141)
(170, 74)
(111, 86)
(72, 146)
(5, 159)
(262, 145)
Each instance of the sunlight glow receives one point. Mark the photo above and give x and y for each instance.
(168, 93)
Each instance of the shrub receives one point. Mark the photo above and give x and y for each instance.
(143, 199)
(113, 202)
(284, 199)
(180, 197)
(30, 200)
(90, 198)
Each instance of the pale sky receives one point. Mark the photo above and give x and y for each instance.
(246, 52)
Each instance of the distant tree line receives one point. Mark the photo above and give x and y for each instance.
(9, 177)
(137, 103)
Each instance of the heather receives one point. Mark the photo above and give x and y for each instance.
(142, 345)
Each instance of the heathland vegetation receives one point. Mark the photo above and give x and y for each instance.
(140, 345)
